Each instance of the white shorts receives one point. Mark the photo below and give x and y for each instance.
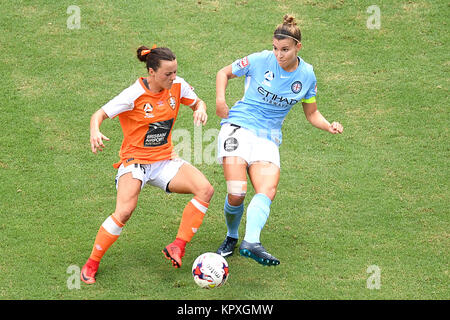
(234, 141)
(157, 174)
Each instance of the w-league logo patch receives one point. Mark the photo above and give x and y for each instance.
(148, 109)
(269, 75)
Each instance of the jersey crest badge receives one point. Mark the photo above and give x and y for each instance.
(296, 87)
(172, 102)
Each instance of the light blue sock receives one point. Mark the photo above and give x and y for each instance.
(257, 213)
(233, 215)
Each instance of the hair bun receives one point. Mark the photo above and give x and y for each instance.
(289, 20)
(140, 55)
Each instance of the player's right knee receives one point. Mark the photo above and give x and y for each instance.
(235, 201)
(236, 190)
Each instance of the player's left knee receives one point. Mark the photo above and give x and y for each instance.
(123, 214)
(270, 192)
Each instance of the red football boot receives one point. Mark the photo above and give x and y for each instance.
(89, 271)
(175, 251)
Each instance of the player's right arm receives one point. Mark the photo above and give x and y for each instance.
(222, 78)
(121, 103)
(96, 136)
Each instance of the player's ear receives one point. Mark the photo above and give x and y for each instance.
(298, 46)
(151, 72)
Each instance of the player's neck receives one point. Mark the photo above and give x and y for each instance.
(293, 66)
(153, 87)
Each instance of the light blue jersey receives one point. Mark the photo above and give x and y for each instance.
(270, 92)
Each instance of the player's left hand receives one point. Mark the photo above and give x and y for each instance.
(336, 127)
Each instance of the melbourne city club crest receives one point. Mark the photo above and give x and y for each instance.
(296, 87)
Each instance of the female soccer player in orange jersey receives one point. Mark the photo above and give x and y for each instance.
(147, 111)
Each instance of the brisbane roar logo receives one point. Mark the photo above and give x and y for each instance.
(172, 102)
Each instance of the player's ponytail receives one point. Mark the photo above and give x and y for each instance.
(152, 57)
(288, 29)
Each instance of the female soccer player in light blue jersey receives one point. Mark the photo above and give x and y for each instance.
(250, 132)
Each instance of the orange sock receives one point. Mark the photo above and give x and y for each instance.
(192, 219)
(107, 234)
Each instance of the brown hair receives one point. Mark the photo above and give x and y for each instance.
(152, 57)
(288, 29)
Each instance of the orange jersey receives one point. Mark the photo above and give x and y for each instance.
(147, 120)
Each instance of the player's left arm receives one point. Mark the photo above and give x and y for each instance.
(314, 116)
(200, 115)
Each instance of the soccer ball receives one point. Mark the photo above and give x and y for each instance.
(210, 270)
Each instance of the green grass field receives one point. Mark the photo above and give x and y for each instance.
(378, 195)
